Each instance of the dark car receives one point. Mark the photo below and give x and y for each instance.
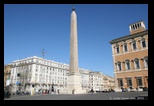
(7, 94)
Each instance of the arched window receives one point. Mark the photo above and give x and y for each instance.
(136, 62)
(125, 49)
(127, 64)
(134, 47)
(119, 65)
(146, 61)
(117, 49)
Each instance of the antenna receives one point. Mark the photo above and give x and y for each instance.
(43, 52)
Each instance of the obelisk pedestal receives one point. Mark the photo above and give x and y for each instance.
(74, 77)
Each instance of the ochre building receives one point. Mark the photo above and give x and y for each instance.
(130, 59)
(7, 73)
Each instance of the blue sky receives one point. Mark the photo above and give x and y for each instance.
(28, 28)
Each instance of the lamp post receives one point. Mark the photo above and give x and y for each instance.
(17, 75)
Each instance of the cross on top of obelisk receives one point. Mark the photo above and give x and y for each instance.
(43, 52)
(73, 8)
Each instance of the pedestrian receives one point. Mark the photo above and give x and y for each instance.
(92, 91)
(52, 90)
(39, 91)
(58, 91)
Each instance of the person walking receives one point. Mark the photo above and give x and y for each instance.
(58, 91)
(92, 91)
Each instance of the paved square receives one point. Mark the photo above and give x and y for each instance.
(96, 96)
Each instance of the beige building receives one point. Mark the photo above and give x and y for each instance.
(130, 59)
(108, 83)
(101, 82)
(7, 73)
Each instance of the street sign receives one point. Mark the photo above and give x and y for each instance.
(17, 83)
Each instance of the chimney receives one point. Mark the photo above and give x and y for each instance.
(137, 27)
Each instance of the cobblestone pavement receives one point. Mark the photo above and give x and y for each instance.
(96, 96)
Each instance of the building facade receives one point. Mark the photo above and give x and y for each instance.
(44, 74)
(39, 72)
(130, 59)
(108, 83)
(101, 82)
(7, 74)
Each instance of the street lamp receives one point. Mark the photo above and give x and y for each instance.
(17, 75)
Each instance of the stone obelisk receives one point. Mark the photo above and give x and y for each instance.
(74, 77)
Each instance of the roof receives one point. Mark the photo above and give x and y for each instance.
(131, 36)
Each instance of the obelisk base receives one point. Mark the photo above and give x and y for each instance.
(74, 83)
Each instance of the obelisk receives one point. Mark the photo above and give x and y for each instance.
(74, 77)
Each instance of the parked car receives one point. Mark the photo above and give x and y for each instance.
(7, 94)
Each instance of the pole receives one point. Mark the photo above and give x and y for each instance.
(16, 84)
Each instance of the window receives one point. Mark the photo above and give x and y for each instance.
(139, 81)
(146, 62)
(129, 82)
(120, 82)
(134, 45)
(119, 65)
(137, 65)
(117, 48)
(127, 64)
(125, 47)
(143, 42)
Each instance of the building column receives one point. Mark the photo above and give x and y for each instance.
(146, 40)
(146, 81)
(132, 64)
(141, 63)
(121, 49)
(113, 50)
(115, 67)
(138, 44)
(117, 84)
(134, 83)
(129, 47)
(123, 66)
(125, 82)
